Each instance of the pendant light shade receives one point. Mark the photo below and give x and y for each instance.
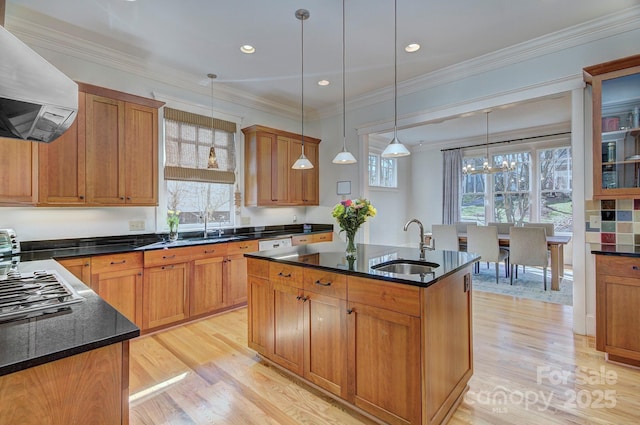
(395, 148)
(302, 163)
(344, 156)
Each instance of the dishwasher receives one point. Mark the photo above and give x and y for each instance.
(274, 243)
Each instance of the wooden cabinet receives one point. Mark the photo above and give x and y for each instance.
(80, 267)
(18, 172)
(207, 286)
(117, 278)
(165, 295)
(400, 352)
(617, 313)
(121, 148)
(269, 178)
(235, 271)
(62, 165)
(616, 127)
(311, 238)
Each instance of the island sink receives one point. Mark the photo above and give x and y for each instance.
(406, 267)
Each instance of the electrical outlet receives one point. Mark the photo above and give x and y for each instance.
(594, 221)
(295, 218)
(245, 221)
(136, 225)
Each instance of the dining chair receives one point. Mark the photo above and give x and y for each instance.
(461, 226)
(483, 240)
(528, 247)
(503, 228)
(445, 237)
(549, 227)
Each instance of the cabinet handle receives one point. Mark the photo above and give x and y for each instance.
(317, 282)
(128, 198)
(87, 264)
(113, 263)
(299, 297)
(284, 275)
(166, 257)
(167, 267)
(349, 311)
(209, 252)
(122, 198)
(635, 267)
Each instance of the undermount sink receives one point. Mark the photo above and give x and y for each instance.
(406, 267)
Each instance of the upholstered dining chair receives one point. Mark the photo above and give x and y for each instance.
(548, 227)
(445, 237)
(483, 240)
(528, 247)
(461, 226)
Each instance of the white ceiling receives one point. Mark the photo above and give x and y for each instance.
(196, 37)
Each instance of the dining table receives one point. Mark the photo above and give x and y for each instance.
(555, 244)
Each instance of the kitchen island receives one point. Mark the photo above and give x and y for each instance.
(67, 366)
(395, 346)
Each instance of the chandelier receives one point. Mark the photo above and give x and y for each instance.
(486, 168)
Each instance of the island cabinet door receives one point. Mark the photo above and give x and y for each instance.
(384, 363)
(325, 342)
(288, 323)
(260, 312)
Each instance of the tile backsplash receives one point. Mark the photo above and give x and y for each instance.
(613, 221)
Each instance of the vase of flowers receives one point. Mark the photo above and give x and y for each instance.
(350, 215)
(173, 219)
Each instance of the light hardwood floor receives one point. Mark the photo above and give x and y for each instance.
(529, 369)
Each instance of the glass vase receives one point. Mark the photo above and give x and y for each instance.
(351, 246)
(173, 233)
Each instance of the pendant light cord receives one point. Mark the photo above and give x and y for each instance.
(395, 69)
(344, 102)
(302, 83)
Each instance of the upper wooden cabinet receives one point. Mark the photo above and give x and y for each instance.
(18, 172)
(616, 127)
(269, 178)
(108, 157)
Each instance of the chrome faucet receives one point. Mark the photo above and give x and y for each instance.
(422, 246)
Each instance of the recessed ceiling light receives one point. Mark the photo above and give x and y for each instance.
(413, 47)
(247, 48)
(323, 83)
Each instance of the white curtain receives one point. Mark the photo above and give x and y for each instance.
(452, 185)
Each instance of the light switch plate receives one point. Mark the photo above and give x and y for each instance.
(594, 221)
(136, 225)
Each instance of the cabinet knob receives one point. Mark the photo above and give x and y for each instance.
(349, 311)
(122, 198)
(128, 198)
(81, 197)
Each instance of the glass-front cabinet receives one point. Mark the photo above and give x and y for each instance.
(616, 127)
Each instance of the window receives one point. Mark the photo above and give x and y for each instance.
(383, 172)
(538, 190)
(555, 188)
(199, 167)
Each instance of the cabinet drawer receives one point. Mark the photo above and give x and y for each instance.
(301, 239)
(286, 274)
(391, 296)
(114, 262)
(322, 237)
(242, 247)
(610, 265)
(259, 268)
(161, 257)
(326, 283)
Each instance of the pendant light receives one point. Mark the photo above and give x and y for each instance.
(302, 163)
(344, 156)
(213, 161)
(395, 149)
(486, 168)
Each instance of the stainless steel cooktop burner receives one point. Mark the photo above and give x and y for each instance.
(25, 294)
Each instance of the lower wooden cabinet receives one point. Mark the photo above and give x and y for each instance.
(80, 267)
(617, 312)
(235, 279)
(165, 295)
(207, 286)
(117, 279)
(399, 352)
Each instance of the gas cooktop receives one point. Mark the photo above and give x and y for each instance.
(24, 295)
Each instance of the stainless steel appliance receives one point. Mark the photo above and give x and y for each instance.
(24, 295)
(274, 243)
(9, 243)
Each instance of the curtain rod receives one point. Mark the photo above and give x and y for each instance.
(507, 141)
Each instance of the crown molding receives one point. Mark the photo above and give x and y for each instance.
(606, 26)
(39, 36)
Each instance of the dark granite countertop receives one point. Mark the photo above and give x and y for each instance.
(83, 247)
(620, 250)
(80, 327)
(331, 256)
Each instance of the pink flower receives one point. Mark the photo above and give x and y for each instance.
(347, 203)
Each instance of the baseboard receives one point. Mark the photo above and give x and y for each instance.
(591, 324)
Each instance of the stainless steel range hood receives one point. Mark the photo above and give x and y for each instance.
(37, 101)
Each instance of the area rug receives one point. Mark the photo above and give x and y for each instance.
(527, 285)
